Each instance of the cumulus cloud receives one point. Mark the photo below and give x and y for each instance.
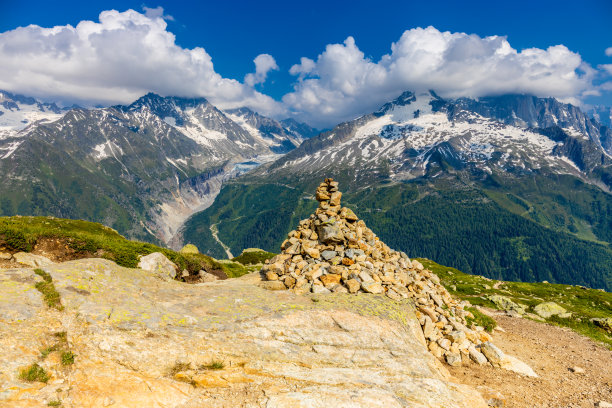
(116, 60)
(609, 52)
(264, 63)
(343, 82)
(157, 12)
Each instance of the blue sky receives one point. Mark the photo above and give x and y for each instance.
(233, 34)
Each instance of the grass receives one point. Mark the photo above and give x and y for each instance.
(54, 403)
(481, 319)
(583, 303)
(177, 368)
(50, 295)
(67, 358)
(34, 373)
(214, 365)
(83, 239)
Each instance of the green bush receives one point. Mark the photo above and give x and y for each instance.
(34, 373)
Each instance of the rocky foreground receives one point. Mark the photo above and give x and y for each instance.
(126, 338)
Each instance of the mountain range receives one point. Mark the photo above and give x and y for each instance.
(512, 186)
(141, 169)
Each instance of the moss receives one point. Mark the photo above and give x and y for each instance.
(50, 295)
(253, 257)
(54, 403)
(34, 373)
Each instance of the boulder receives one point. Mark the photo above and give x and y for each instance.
(548, 309)
(34, 261)
(505, 303)
(159, 265)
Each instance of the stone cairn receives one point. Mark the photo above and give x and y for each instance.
(334, 251)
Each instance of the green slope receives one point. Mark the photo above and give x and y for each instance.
(456, 224)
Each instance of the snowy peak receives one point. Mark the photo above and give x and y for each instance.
(423, 135)
(18, 111)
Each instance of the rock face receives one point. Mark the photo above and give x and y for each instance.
(334, 251)
(139, 341)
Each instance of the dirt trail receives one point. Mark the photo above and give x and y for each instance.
(551, 351)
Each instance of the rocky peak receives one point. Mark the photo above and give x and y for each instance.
(334, 251)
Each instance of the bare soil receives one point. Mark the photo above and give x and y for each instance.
(551, 351)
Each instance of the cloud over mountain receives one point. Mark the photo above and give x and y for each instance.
(342, 81)
(117, 59)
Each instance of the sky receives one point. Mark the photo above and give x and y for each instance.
(322, 62)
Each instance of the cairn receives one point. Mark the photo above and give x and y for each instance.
(334, 251)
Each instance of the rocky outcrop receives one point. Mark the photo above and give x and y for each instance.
(138, 341)
(334, 251)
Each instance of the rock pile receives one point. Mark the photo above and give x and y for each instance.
(334, 251)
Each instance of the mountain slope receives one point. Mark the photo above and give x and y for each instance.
(512, 187)
(141, 169)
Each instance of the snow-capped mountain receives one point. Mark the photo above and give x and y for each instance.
(18, 112)
(152, 163)
(418, 135)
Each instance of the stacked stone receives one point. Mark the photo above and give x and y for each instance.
(334, 251)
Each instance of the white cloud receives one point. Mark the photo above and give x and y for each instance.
(609, 52)
(116, 60)
(264, 63)
(343, 83)
(157, 12)
(606, 67)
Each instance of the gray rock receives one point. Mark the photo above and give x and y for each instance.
(453, 359)
(492, 353)
(207, 277)
(505, 303)
(330, 233)
(320, 289)
(5, 256)
(477, 356)
(158, 264)
(603, 404)
(327, 255)
(35, 261)
(548, 309)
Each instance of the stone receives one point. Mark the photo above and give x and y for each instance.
(353, 285)
(444, 343)
(320, 289)
(5, 256)
(273, 285)
(207, 277)
(603, 322)
(372, 287)
(35, 261)
(477, 356)
(453, 359)
(330, 234)
(577, 370)
(505, 303)
(189, 249)
(603, 404)
(335, 197)
(159, 265)
(548, 309)
(327, 254)
(514, 364)
(271, 276)
(492, 353)
(311, 252)
(330, 279)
